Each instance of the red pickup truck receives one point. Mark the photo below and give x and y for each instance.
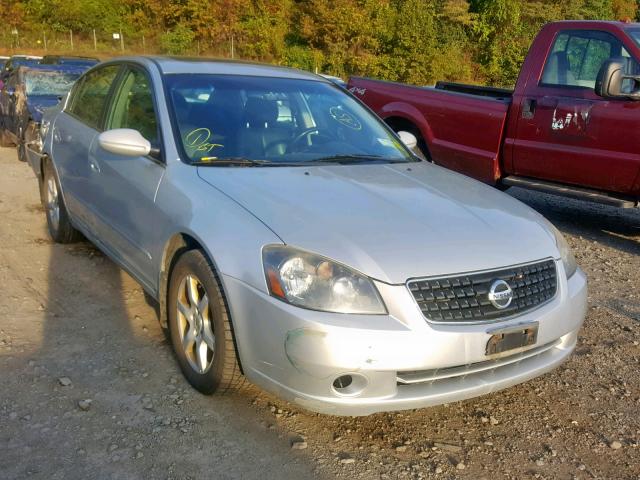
(570, 127)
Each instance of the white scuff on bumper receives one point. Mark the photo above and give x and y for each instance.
(397, 361)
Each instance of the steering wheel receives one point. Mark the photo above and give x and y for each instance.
(305, 133)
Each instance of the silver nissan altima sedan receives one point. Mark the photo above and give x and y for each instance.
(293, 240)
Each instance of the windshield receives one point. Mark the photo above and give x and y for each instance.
(275, 121)
(49, 83)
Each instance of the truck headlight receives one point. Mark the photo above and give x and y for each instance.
(568, 260)
(311, 281)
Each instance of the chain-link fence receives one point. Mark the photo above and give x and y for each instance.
(103, 44)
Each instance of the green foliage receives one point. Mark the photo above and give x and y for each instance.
(416, 41)
(177, 41)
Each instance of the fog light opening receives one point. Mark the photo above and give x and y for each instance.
(349, 385)
(342, 382)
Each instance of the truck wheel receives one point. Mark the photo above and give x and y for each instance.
(58, 223)
(200, 327)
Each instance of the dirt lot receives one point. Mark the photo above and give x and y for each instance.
(73, 327)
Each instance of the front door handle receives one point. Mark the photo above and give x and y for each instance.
(94, 166)
(528, 108)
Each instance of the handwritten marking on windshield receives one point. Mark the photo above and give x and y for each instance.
(345, 118)
(198, 139)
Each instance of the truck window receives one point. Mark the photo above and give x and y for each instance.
(577, 55)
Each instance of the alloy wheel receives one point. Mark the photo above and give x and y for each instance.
(195, 327)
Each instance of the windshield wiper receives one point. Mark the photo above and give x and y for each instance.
(357, 158)
(231, 162)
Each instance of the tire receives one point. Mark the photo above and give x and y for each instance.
(21, 146)
(5, 141)
(58, 223)
(421, 149)
(202, 336)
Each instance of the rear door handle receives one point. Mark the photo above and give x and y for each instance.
(528, 108)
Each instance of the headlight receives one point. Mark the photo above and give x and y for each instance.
(311, 281)
(568, 260)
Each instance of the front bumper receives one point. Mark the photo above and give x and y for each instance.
(397, 361)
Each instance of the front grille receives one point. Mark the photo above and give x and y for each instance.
(465, 298)
(421, 376)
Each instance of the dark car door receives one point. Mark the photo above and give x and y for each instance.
(9, 98)
(125, 187)
(566, 133)
(74, 131)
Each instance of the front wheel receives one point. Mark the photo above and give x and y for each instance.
(21, 147)
(58, 222)
(28, 137)
(5, 140)
(200, 327)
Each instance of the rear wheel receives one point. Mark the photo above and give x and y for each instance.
(58, 223)
(5, 140)
(200, 327)
(400, 124)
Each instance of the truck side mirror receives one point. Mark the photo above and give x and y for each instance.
(609, 82)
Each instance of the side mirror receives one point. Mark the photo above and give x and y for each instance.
(124, 141)
(409, 139)
(610, 79)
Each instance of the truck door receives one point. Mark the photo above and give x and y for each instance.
(565, 132)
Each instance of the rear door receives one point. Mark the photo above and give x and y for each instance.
(74, 131)
(126, 186)
(565, 132)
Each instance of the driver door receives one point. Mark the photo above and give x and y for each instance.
(568, 134)
(128, 184)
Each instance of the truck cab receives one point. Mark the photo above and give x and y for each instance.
(570, 127)
(560, 128)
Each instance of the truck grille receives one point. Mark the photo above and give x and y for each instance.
(465, 298)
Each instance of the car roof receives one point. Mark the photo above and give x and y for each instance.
(177, 65)
(71, 57)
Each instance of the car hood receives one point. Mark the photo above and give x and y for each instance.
(391, 222)
(38, 104)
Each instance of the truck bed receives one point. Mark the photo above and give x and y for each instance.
(482, 91)
(461, 125)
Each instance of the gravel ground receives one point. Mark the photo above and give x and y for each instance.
(90, 388)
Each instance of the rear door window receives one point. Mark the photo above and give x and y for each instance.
(91, 95)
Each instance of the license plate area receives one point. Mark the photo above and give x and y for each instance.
(512, 339)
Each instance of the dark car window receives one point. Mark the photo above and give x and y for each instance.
(133, 106)
(577, 55)
(90, 97)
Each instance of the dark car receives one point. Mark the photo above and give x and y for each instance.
(69, 60)
(18, 61)
(25, 94)
(3, 61)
